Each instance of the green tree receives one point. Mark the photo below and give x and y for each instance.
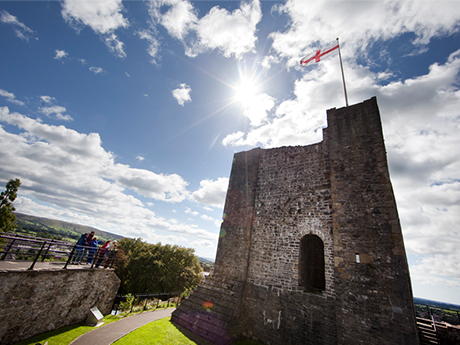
(145, 267)
(7, 217)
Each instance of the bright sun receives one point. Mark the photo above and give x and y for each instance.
(245, 92)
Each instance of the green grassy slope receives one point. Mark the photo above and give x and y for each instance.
(65, 230)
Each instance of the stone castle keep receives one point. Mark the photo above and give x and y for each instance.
(311, 249)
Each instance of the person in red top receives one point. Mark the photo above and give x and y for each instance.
(102, 253)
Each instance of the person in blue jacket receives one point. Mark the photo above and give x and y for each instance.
(92, 250)
(80, 250)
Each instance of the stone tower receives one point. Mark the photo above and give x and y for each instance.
(310, 249)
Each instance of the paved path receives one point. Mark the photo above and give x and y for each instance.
(108, 334)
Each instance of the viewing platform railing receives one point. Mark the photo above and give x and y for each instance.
(159, 296)
(29, 248)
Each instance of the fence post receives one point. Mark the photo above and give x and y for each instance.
(47, 249)
(113, 256)
(70, 256)
(8, 250)
(96, 254)
(36, 258)
(132, 304)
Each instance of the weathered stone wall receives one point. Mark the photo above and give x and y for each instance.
(338, 190)
(34, 302)
(374, 295)
(235, 236)
(293, 199)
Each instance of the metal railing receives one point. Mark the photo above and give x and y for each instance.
(144, 297)
(29, 248)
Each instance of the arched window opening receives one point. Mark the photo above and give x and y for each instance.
(312, 276)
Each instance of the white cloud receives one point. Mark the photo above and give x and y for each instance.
(154, 44)
(115, 46)
(102, 16)
(47, 99)
(378, 20)
(188, 210)
(256, 110)
(58, 111)
(203, 243)
(20, 29)
(216, 222)
(60, 54)
(234, 139)
(212, 193)
(232, 33)
(72, 173)
(178, 20)
(182, 94)
(10, 97)
(97, 70)
(435, 265)
(171, 188)
(57, 148)
(140, 158)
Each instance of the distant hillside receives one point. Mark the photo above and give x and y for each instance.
(447, 312)
(206, 264)
(436, 304)
(68, 231)
(206, 260)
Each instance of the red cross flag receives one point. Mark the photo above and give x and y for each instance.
(319, 55)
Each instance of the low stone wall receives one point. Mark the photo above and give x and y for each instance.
(34, 302)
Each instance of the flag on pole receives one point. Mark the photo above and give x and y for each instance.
(320, 54)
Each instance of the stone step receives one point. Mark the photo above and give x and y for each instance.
(207, 325)
(209, 321)
(224, 285)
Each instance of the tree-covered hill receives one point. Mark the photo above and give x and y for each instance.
(52, 228)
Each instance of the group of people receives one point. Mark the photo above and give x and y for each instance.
(87, 247)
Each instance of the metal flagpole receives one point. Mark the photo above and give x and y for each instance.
(343, 76)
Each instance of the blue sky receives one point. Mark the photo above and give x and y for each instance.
(125, 115)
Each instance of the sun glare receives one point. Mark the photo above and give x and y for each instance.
(245, 92)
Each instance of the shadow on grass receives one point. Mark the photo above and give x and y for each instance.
(200, 341)
(65, 335)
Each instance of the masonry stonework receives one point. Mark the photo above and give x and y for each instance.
(337, 191)
(34, 302)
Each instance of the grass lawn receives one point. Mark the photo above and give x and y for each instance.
(160, 332)
(65, 335)
(163, 332)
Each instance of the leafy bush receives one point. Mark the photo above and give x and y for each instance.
(128, 303)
